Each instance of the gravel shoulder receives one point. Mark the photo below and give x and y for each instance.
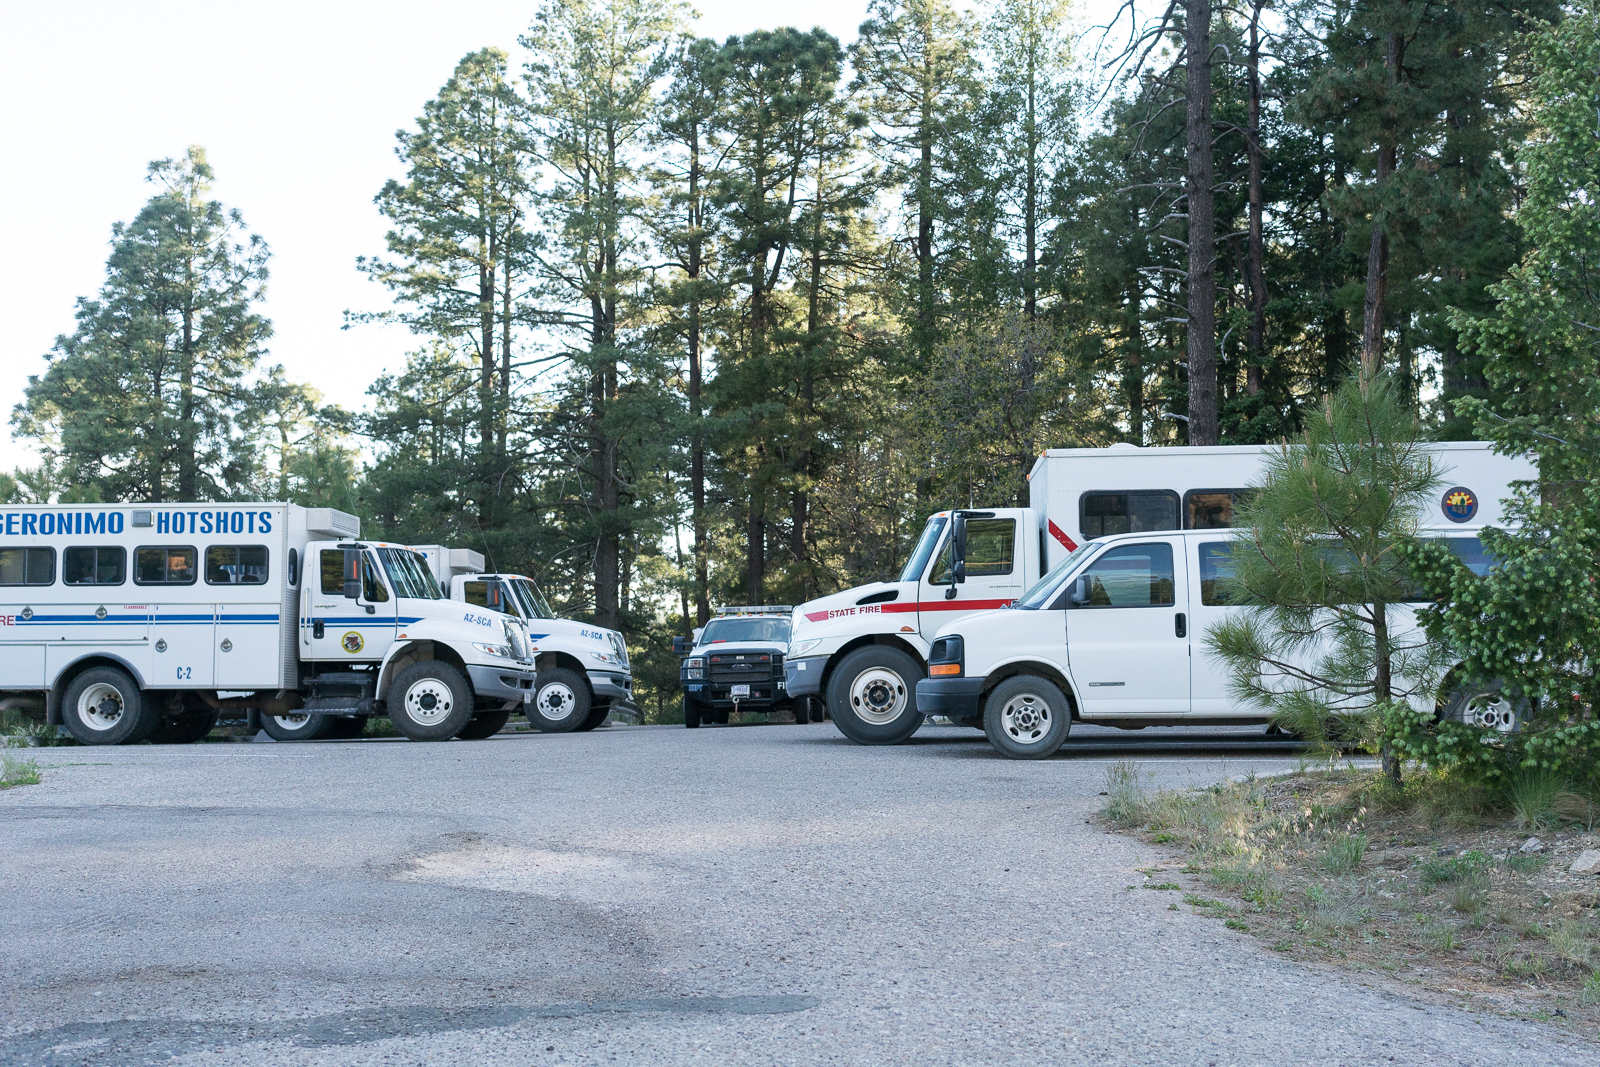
(646, 895)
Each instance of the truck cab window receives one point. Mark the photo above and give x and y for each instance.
(1212, 509)
(489, 595)
(1133, 511)
(27, 566)
(1131, 576)
(164, 565)
(94, 565)
(409, 574)
(991, 544)
(236, 565)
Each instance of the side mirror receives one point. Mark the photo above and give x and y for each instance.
(352, 574)
(698, 630)
(1079, 593)
(958, 548)
(294, 568)
(352, 589)
(682, 646)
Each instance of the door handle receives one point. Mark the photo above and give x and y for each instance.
(316, 629)
(1180, 626)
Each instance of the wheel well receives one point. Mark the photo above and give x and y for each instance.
(418, 652)
(550, 660)
(1042, 670)
(862, 642)
(58, 691)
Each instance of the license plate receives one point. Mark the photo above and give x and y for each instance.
(740, 691)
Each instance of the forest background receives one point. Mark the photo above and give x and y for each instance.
(704, 322)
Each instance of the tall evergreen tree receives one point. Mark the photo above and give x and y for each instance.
(145, 399)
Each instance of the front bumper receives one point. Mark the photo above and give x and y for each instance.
(803, 677)
(511, 682)
(957, 698)
(609, 685)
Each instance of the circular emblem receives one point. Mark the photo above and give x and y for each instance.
(351, 642)
(1460, 504)
(100, 612)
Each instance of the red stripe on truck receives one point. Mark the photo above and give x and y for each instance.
(1060, 535)
(923, 605)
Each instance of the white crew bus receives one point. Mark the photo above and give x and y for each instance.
(863, 650)
(128, 622)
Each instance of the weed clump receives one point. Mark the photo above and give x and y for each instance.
(15, 771)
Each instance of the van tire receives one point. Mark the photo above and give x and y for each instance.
(872, 695)
(103, 706)
(430, 701)
(486, 725)
(560, 701)
(297, 726)
(184, 729)
(1486, 706)
(693, 713)
(1026, 717)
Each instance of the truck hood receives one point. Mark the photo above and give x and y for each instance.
(579, 635)
(844, 614)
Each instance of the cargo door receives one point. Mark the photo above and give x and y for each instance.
(246, 653)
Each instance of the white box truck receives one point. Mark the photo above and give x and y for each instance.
(584, 674)
(127, 622)
(865, 649)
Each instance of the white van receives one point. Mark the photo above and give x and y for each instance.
(1115, 636)
(584, 674)
(864, 649)
(129, 622)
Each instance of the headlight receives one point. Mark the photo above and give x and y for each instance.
(801, 648)
(618, 646)
(607, 657)
(516, 638)
(494, 650)
(694, 667)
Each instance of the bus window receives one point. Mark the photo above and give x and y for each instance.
(1212, 509)
(27, 566)
(1116, 512)
(94, 565)
(164, 565)
(236, 565)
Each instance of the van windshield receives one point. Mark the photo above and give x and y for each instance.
(1038, 593)
(925, 546)
(409, 574)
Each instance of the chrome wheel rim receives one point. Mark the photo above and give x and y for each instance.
(556, 701)
(878, 695)
(100, 706)
(1491, 710)
(429, 702)
(1026, 718)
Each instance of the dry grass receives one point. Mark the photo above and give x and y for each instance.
(15, 771)
(1427, 884)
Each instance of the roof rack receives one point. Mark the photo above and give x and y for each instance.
(747, 609)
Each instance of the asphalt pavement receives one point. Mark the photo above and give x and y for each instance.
(653, 895)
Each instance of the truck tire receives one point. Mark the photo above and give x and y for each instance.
(720, 716)
(485, 725)
(873, 696)
(297, 726)
(183, 729)
(1026, 717)
(430, 701)
(694, 713)
(595, 717)
(103, 706)
(560, 701)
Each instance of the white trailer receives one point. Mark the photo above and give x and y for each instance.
(584, 673)
(863, 650)
(127, 622)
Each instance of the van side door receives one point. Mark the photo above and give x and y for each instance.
(1127, 631)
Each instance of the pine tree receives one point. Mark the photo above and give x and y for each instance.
(144, 401)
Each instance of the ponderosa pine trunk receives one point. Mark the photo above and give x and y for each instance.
(1200, 196)
(1256, 255)
(1378, 246)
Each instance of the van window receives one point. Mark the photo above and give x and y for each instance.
(27, 566)
(1216, 572)
(94, 565)
(990, 547)
(1469, 550)
(1212, 509)
(164, 565)
(236, 565)
(1114, 512)
(1131, 576)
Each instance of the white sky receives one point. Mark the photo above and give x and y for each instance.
(296, 105)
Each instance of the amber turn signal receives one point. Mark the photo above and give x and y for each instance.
(945, 668)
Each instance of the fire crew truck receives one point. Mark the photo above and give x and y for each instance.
(128, 622)
(584, 673)
(865, 649)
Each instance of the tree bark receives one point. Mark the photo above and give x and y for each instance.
(1378, 246)
(1030, 196)
(1201, 198)
(697, 447)
(1256, 342)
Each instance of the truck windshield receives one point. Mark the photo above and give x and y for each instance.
(775, 630)
(1039, 593)
(408, 573)
(533, 604)
(924, 549)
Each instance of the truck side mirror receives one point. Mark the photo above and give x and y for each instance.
(958, 548)
(698, 630)
(294, 568)
(352, 574)
(682, 646)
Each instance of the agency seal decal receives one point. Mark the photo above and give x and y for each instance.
(351, 642)
(1460, 504)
